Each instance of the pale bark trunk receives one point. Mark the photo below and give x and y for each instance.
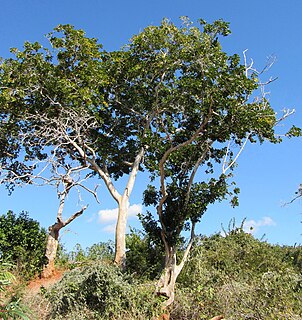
(53, 239)
(122, 200)
(123, 206)
(120, 233)
(166, 283)
(51, 249)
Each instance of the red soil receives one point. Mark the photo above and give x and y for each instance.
(36, 284)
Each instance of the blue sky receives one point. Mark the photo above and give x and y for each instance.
(268, 175)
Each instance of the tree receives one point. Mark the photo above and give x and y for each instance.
(64, 181)
(63, 98)
(63, 175)
(58, 171)
(204, 111)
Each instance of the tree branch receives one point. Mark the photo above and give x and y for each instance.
(75, 215)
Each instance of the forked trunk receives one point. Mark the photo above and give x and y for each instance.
(166, 283)
(120, 233)
(53, 239)
(123, 205)
(51, 249)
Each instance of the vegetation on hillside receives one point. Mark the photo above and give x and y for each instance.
(171, 103)
(10, 307)
(235, 275)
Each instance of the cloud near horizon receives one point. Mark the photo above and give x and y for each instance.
(109, 216)
(252, 226)
(110, 228)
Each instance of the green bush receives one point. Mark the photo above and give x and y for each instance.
(240, 277)
(102, 251)
(144, 258)
(22, 242)
(101, 291)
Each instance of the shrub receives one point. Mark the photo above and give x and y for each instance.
(22, 242)
(102, 251)
(144, 258)
(240, 277)
(101, 291)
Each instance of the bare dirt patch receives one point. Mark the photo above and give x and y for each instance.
(35, 285)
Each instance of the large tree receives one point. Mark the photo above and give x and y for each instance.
(204, 111)
(171, 94)
(62, 98)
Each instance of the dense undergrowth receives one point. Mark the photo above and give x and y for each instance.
(235, 275)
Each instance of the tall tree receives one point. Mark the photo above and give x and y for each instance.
(204, 111)
(61, 97)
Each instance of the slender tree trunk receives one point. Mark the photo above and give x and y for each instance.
(123, 206)
(51, 249)
(120, 232)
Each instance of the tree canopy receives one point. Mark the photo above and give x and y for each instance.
(204, 108)
(171, 102)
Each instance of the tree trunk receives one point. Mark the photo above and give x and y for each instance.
(166, 283)
(51, 249)
(120, 232)
(123, 206)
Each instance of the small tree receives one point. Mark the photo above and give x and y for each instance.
(58, 171)
(65, 181)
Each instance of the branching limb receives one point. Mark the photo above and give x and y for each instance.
(188, 249)
(194, 171)
(226, 166)
(75, 215)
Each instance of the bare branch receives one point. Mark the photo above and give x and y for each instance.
(187, 250)
(225, 166)
(286, 114)
(298, 195)
(75, 215)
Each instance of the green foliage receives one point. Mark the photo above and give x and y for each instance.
(201, 101)
(235, 275)
(144, 257)
(102, 251)
(22, 242)
(242, 278)
(10, 308)
(72, 73)
(294, 132)
(101, 291)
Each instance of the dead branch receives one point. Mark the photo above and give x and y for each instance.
(75, 215)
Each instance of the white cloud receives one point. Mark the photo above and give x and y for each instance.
(252, 226)
(110, 228)
(107, 215)
(134, 210)
(110, 216)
